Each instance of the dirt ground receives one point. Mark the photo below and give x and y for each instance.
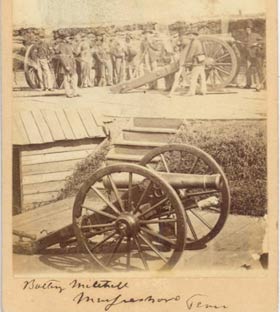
(233, 103)
(234, 250)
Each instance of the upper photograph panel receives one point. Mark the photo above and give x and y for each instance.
(134, 58)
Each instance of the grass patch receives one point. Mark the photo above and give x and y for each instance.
(83, 171)
(239, 147)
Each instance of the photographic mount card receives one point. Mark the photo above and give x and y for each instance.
(139, 155)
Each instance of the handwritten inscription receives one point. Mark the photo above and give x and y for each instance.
(84, 293)
(197, 301)
(82, 298)
(50, 284)
(98, 284)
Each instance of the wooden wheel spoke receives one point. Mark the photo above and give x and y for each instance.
(212, 80)
(114, 250)
(158, 236)
(194, 164)
(103, 241)
(153, 207)
(103, 213)
(144, 194)
(128, 252)
(141, 253)
(156, 221)
(153, 248)
(191, 227)
(222, 57)
(201, 220)
(130, 180)
(217, 51)
(222, 70)
(209, 48)
(164, 162)
(105, 200)
(218, 75)
(116, 192)
(223, 64)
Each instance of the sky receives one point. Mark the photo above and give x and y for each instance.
(67, 13)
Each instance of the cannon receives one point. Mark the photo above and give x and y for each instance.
(222, 65)
(136, 217)
(30, 69)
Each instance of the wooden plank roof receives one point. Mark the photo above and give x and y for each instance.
(39, 126)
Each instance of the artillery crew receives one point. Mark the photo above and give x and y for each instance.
(104, 58)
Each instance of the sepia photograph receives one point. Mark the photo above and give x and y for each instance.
(140, 155)
(139, 137)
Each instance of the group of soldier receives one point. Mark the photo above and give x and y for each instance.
(88, 60)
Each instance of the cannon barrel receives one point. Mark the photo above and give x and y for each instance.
(176, 180)
(182, 180)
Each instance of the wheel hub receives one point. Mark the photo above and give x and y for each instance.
(210, 62)
(127, 225)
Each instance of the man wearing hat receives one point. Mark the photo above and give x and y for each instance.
(192, 58)
(42, 50)
(148, 54)
(104, 61)
(118, 59)
(68, 68)
(130, 56)
(84, 51)
(253, 44)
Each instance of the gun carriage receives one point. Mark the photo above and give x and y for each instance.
(143, 217)
(222, 65)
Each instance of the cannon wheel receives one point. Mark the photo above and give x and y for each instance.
(203, 224)
(30, 71)
(221, 62)
(119, 228)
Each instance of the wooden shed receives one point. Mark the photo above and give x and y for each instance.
(47, 144)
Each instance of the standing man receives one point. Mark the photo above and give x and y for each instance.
(84, 50)
(254, 57)
(149, 55)
(192, 58)
(104, 61)
(43, 53)
(68, 68)
(130, 57)
(118, 59)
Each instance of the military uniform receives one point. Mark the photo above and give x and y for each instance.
(85, 52)
(148, 56)
(42, 51)
(193, 57)
(118, 59)
(104, 64)
(254, 59)
(68, 68)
